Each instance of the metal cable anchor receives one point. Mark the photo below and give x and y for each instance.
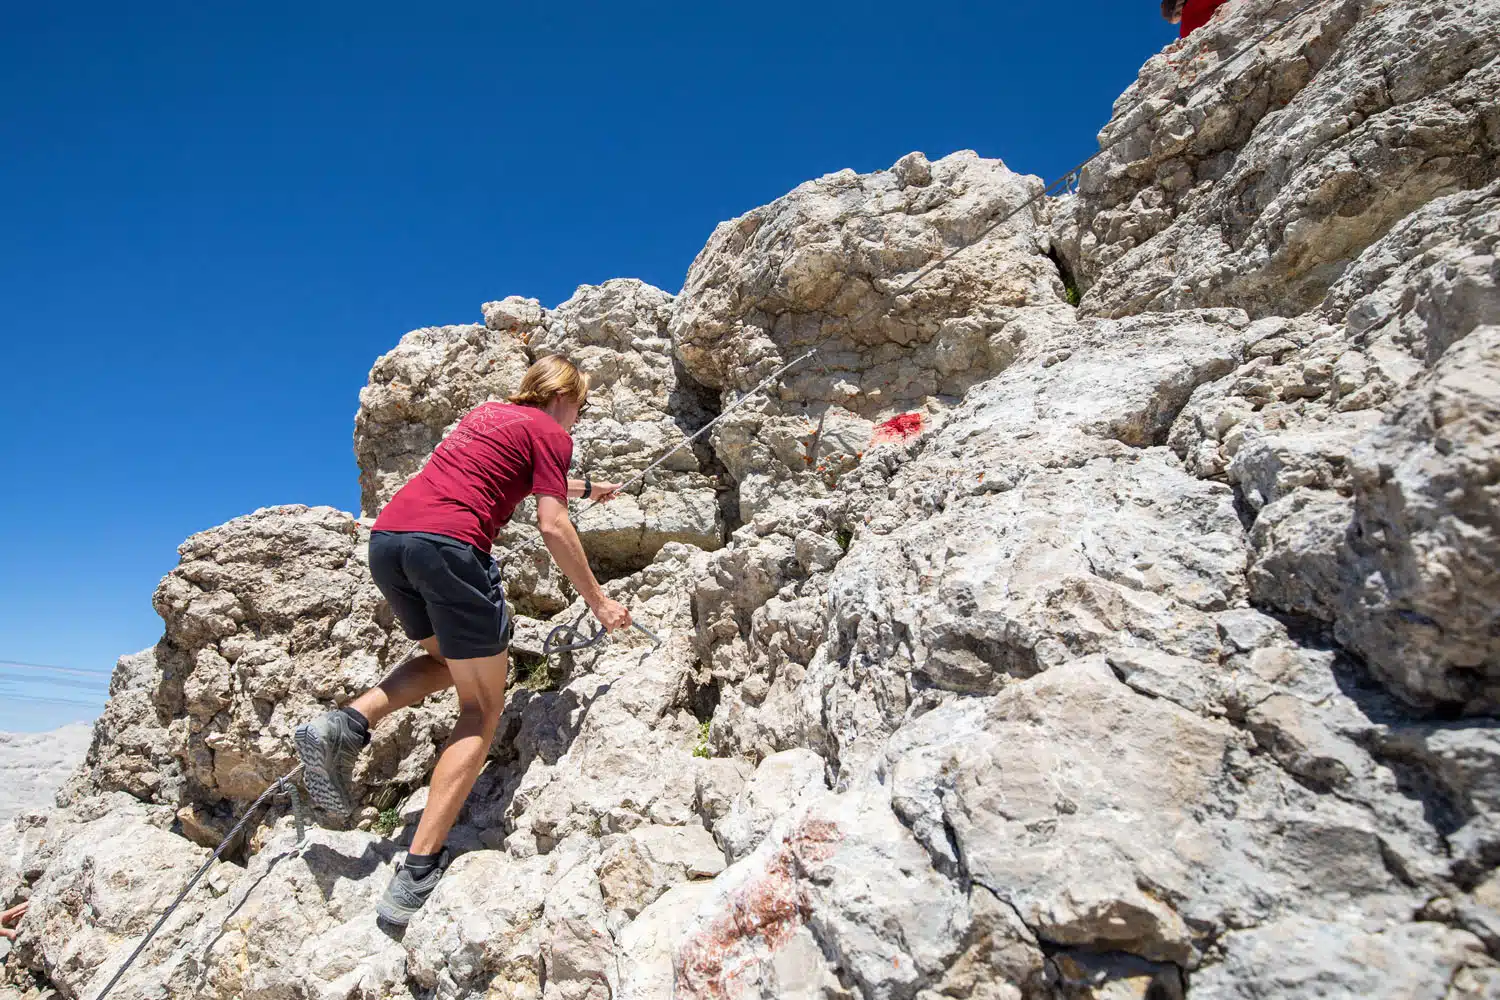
(565, 638)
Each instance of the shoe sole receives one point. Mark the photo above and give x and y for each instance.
(321, 787)
(395, 918)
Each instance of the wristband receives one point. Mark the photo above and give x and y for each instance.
(588, 487)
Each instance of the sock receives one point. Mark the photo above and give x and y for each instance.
(361, 724)
(421, 865)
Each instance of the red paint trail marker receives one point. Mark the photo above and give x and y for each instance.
(902, 427)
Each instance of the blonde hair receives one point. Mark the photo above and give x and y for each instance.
(550, 377)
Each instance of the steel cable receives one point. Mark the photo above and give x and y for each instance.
(286, 782)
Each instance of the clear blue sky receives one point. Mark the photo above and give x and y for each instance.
(216, 216)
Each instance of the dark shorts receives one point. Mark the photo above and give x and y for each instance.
(441, 586)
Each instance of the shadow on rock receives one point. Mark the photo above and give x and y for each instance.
(327, 865)
(540, 725)
(536, 726)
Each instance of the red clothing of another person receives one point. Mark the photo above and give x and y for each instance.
(497, 455)
(1195, 14)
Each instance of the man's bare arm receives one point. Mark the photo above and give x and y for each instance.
(567, 550)
(603, 492)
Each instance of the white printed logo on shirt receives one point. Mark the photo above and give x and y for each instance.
(481, 421)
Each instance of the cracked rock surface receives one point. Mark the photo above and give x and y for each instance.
(1255, 183)
(1147, 648)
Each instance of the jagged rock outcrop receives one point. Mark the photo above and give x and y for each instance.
(1365, 448)
(828, 264)
(102, 886)
(1422, 557)
(1142, 650)
(1038, 525)
(1255, 184)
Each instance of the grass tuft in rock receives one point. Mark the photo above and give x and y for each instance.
(701, 750)
(1071, 291)
(530, 672)
(386, 823)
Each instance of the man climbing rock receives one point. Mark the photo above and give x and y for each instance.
(430, 557)
(1192, 14)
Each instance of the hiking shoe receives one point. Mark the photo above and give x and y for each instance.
(406, 893)
(328, 747)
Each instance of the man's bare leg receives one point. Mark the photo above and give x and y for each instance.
(329, 745)
(481, 698)
(408, 684)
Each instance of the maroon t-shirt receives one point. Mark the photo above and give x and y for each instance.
(497, 455)
(1197, 13)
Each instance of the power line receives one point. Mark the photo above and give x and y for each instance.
(95, 703)
(78, 671)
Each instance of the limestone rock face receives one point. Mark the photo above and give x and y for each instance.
(1315, 959)
(1255, 184)
(1423, 552)
(1427, 282)
(773, 791)
(1338, 415)
(298, 918)
(760, 607)
(103, 886)
(1038, 525)
(1015, 776)
(831, 262)
(1009, 650)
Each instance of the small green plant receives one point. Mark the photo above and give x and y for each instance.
(844, 536)
(387, 821)
(532, 674)
(701, 750)
(1070, 286)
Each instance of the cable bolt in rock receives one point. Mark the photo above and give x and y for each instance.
(565, 638)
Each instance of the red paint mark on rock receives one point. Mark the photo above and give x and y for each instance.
(901, 427)
(764, 912)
